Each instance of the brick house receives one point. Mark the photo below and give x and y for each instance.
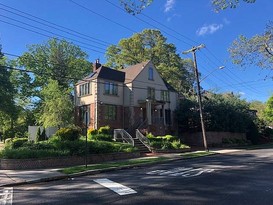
(130, 98)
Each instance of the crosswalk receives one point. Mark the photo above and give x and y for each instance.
(116, 187)
(181, 171)
(6, 196)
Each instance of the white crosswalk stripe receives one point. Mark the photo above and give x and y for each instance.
(6, 196)
(181, 171)
(116, 187)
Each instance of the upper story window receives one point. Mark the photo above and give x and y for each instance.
(151, 74)
(165, 95)
(110, 88)
(151, 93)
(85, 89)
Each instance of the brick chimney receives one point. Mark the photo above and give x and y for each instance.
(96, 65)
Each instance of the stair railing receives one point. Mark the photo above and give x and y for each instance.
(143, 139)
(122, 135)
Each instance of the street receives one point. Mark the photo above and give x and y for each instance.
(243, 177)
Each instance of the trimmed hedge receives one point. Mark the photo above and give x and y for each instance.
(69, 133)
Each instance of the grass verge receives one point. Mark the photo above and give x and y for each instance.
(77, 169)
(196, 154)
(106, 165)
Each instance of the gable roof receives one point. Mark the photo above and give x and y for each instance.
(132, 72)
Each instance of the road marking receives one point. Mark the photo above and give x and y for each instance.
(6, 196)
(181, 171)
(116, 187)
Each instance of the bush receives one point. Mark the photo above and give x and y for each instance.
(26, 153)
(92, 132)
(18, 142)
(69, 133)
(105, 130)
(98, 147)
(102, 137)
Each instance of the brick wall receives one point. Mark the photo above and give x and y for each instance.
(57, 162)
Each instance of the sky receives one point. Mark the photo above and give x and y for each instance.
(93, 25)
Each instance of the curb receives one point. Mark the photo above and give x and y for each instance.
(97, 171)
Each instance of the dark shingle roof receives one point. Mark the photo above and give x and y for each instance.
(110, 74)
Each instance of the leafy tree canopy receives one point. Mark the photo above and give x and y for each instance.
(136, 6)
(257, 50)
(57, 107)
(56, 60)
(151, 45)
(268, 112)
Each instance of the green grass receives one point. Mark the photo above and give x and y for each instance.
(77, 169)
(196, 154)
(149, 160)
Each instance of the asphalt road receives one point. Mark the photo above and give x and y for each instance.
(236, 178)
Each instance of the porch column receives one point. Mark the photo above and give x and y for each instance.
(149, 111)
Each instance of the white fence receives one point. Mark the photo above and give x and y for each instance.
(32, 131)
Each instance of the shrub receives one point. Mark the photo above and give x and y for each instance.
(18, 142)
(92, 132)
(104, 130)
(38, 135)
(8, 141)
(156, 144)
(102, 137)
(69, 133)
(26, 153)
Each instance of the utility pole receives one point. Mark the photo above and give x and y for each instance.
(193, 50)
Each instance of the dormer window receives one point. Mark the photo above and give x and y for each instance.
(151, 74)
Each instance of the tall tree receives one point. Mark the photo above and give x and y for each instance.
(136, 6)
(268, 112)
(57, 107)
(57, 60)
(152, 45)
(257, 50)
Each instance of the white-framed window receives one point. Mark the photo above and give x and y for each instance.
(151, 74)
(151, 93)
(85, 89)
(165, 95)
(110, 88)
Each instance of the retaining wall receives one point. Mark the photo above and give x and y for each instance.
(213, 138)
(57, 162)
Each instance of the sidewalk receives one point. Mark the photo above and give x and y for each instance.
(19, 177)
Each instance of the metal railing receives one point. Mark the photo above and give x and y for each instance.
(143, 139)
(122, 135)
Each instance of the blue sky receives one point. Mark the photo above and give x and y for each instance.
(185, 23)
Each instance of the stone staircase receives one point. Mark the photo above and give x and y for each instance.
(141, 147)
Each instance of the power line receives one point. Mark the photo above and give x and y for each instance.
(45, 35)
(55, 25)
(52, 32)
(102, 16)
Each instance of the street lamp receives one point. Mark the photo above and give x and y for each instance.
(219, 68)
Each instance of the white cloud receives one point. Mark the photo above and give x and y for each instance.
(209, 29)
(242, 93)
(226, 21)
(168, 5)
